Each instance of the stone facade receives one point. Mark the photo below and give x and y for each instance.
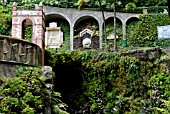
(40, 14)
(37, 18)
(74, 16)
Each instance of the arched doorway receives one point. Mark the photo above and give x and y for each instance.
(27, 28)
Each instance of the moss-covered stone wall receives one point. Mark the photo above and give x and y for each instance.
(93, 81)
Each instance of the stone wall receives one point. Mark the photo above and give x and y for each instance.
(20, 51)
(8, 69)
(150, 54)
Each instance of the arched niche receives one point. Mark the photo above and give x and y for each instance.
(64, 23)
(110, 31)
(86, 23)
(27, 28)
(131, 25)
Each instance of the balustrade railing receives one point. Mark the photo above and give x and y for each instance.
(19, 51)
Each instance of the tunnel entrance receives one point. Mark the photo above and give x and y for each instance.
(68, 81)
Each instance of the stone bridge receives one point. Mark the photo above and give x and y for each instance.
(73, 16)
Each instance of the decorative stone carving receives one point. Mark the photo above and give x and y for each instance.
(53, 36)
(86, 31)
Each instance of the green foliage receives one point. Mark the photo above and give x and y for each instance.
(66, 35)
(118, 84)
(130, 28)
(28, 93)
(146, 33)
(110, 30)
(130, 6)
(28, 33)
(5, 20)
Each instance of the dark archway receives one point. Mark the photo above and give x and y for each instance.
(27, 28)
(68, 81)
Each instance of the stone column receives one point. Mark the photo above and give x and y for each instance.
(124, 34)
(100, 34)
(124, 30)
(14, 20)
(47, 73)
(71, 36)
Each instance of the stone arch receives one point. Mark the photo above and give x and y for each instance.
(82, 16)
(132, 17)
(108, 20)
(60, 19)
(87, 17)
(110, 31)
(24, 22)
(58, 15)
(112, 16)
(90, 24)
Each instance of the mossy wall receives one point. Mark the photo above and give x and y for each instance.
(107, 82)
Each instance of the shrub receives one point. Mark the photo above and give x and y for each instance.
(28, 93)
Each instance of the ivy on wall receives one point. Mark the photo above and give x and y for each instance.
(146, 33)
(130, 28)
(66, 35)
(110, 30)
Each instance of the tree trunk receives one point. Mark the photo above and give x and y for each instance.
(115, 45)
(104, 22)
(169, 8)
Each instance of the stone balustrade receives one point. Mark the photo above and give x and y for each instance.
(19, 51)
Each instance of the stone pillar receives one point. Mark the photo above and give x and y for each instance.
(124, 34)
(100, 34)
(124, 30)
(47, 73)
(14, 22)
(71, 36)
(39, 28)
